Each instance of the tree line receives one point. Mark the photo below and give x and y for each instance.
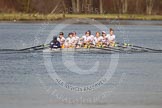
(83, 6)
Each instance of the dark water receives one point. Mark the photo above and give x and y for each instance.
(29, 79)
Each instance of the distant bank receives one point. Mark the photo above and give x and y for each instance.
(52, 17)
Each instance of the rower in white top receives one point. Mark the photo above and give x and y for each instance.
(86, 39)
(97, 39)
(92, 36)
(69, 41)
(75, 40)
(104, 39)
(61, 39)
(111, 37)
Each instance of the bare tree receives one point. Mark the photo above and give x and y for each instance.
(118, 5)
(78, 6)
(114, 6)
(149, 6)
(74, 6)
(157, 3)
(124, 6)
(137, 6)
(86, 6)
(28, 6)
(101, 6)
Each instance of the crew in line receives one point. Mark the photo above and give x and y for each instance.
(87, 40)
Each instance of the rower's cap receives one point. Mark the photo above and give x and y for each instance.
(103, 32)
(55, 38)
(61, 33)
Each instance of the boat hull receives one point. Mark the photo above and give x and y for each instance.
(66, 50)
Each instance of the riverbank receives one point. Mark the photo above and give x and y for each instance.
(52, 17)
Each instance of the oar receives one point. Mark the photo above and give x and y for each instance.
(8, 49)
(41, 48)
(115, 49)
(143, 48)
(120, 49)
(34, 47)
(109, 49)
(127, 47)
(146, 48)
(29, 48)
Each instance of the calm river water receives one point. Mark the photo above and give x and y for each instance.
(45, 80)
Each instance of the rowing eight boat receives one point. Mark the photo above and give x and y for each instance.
(118, 48)
(108, 50)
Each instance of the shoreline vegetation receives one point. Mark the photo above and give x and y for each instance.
(54, 17)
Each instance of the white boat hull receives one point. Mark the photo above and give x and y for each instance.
(72, 50)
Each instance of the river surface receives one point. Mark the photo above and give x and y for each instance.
(65, 80)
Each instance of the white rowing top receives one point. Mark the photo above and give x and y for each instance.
(69, 40)
(97, 40)
(75, 39)
(111, 38)
(87, 38)
(62, 40)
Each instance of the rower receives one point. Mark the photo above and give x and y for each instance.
(75, 39)
(86, 39)
(69, 41)
(92, 36)
(61, 39)
(54, 44)
(111, 37)
(97, 39)
(104, 39)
